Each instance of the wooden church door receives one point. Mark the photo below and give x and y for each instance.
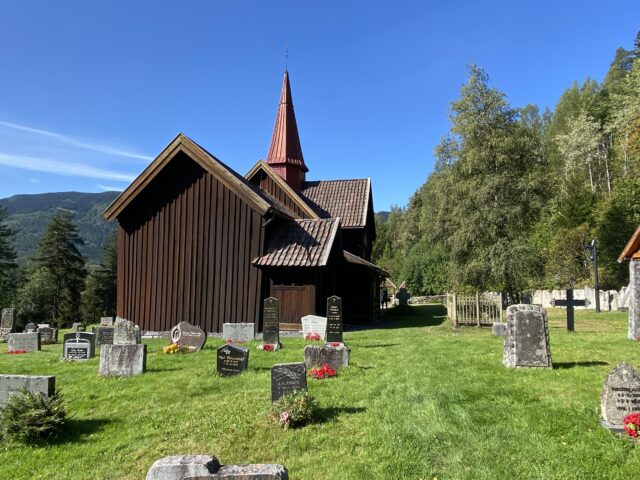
(296, 301)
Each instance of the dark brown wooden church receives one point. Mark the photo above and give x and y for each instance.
(199, 242)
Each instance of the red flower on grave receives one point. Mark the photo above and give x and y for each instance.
(312, 336)
(268, 348)
(325, 371)
(334, 344)
(16, 352)
(631, 424)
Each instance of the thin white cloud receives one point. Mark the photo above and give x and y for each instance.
(95, 147)
(111, 188)
(33, 180)
(61, 168)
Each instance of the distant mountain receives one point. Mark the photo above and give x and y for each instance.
(29, 216)
(383, 215)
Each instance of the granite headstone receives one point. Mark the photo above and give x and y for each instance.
(78, 327)
(403, 297)
(10, 384)
(30, 327)
(287, 378)
(48, 335)
(238, 332)
(319, 355)
(499, 329)
(79, 345)
(126, 332)
(127, 356)
(7, 322)
(620, 396)
(334, 319)
(106, 321)
(314, 324)
(232, 359)
(187, 335)
(526, 343)
(104, 335)
(28, 342)
(271, 326)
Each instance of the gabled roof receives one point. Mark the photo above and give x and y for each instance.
(262, 166)
(351, 258)
(631, 248)
(285, 143)
(347, 199)
(300, 243)
(255, 197)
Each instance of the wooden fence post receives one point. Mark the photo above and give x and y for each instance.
(454, 310)
(478, 308)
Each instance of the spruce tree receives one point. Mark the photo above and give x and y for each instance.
(99, 296)
(7, 261)
(58, 254)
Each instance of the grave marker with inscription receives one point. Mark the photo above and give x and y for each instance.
(104, 335)
(79, 345)
(232, 360)
(271, 325)
(30, 327)
(620, 396)
(10, 384)
(106, 321)
(187, 335)
(334, 319)
(314, 324)
(287, 378)
(526, 343)
(28, 342)
(238, 332)
(48, 335)
(7, 322)
(319, 355)
(126, 357)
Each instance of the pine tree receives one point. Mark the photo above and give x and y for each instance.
(7, 261)
(99, 296)
(58, 254)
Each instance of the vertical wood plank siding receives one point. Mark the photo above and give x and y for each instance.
(185, 246)
(272, 188)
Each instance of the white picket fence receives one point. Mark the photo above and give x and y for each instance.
(479, 309)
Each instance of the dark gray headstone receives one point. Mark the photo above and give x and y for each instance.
(271, 325)
(48, 335)
(319, 355)
(79, 345)
(232, 359)
(334, 319)
(620, 395)
(104, 335)
(314, 324)
(126, 332)
(238, 332)
(10, 384)
(526, 343)
(187, 335)
(287, 378)
(30, 327)
(106, 321)
(8, 318)
(29, 342)
(123, 360)
(179, 467)
(403, 297)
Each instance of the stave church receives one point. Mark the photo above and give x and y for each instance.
(199, 242)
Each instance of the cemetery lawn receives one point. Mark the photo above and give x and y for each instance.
(419, 401)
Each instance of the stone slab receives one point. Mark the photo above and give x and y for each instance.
(104, 335)
(79, 345)
(29, 342)
(10, 384)
(499, 329)
(48, 335)
(106, 321)
(620, 395)
(231, 360)
(271, 321)
(238, 332)
(30, 327)
(526, 343)
(126, 332)
(319, 355)
(179, 467)
(287, 378)
(123, 360)
(187, 335)
(8, 318)
(256, 471)
(334, 319)
(314, 324)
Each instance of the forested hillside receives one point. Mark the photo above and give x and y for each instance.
(29, 215)
(517, 194)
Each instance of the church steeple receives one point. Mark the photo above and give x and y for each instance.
(285, 152)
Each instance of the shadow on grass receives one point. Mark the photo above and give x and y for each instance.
(75, 430)
(417, 316)
(579, 364)
(162, 369)
(380, 345)
(330, 413)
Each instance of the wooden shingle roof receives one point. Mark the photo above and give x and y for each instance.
(347, 199)
(300, 243)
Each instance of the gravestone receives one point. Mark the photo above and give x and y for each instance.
(79, 345)
(10, 384)
(7, 321)
(319, 355)
(287, 378)
(78, 327)
(48, 335)
(499, 329)
(403, 297)
(271, 325)
(238, 332)
(207, 467)
(126, 357)
(232, 360)
(29, 342)
(526, 343)
(314, 324)
(620, 396)
(570, 303)
(256, 471)
(30, 327)
(106, 321)
(187, 335)
(44, 325)
(334, 319)
(104, 335)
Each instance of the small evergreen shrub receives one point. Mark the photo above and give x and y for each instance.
(294, 410)
(32, 417)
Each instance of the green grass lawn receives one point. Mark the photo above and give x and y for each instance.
(420, 400)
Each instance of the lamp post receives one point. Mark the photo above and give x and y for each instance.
(593, 256)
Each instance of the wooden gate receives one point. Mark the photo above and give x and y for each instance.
(481, 309)
(295, 302)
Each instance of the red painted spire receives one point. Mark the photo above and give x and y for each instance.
(285, 152)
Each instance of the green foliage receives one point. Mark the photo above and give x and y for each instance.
(32, 417)
(35, 299)
(99, 295)
(58, 254)
(7, 261)
(294, 410)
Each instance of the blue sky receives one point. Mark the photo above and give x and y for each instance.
(92, 91)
